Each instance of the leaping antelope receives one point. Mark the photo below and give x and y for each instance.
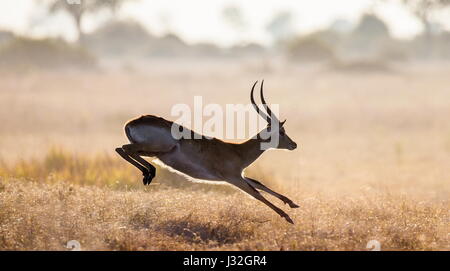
(205, 159)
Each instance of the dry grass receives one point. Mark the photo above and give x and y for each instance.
(372, 164)
(45, 216)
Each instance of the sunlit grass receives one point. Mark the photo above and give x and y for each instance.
(45, 216)
(59, 165)
(100, 201)
(103, 170)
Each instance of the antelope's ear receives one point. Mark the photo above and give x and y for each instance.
(282, 123)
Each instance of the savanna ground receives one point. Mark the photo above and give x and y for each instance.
(372, 163)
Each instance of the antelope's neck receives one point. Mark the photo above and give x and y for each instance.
(250, 150)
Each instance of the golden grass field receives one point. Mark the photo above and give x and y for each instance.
(373, 161)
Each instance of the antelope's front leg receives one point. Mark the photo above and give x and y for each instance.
(246, 187)
(262, 187)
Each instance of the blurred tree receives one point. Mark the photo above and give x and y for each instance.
(77, 8)
(368, 37)
(424, 9)
(371, 26)
(119, 38)
(234, 17)
(5, 36)
(341, 26)
(280, 26)
(309, 49)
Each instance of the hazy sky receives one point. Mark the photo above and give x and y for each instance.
(201, 20)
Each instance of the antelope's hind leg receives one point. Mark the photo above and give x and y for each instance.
(136, 150)
(151, 169)
(147, 169)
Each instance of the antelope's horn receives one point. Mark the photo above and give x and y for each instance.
(260, 112)
(269, 112)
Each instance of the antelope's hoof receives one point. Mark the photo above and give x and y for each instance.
(147, 178)
(288, 219)
(290, 203)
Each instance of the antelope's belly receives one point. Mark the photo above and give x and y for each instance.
(181, 163)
